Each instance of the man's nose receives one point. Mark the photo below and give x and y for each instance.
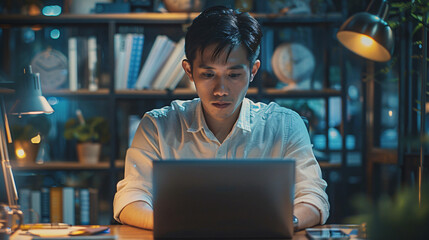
(220, 88)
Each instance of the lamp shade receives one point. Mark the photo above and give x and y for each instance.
(368, 35)
(29, 99)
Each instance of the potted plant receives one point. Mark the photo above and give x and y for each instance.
(27, 137)
(90, 134)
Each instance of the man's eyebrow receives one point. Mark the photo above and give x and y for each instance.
(238, 66)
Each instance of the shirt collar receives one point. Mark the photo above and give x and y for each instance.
(198, 122)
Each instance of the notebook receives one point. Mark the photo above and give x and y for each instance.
(223, 198)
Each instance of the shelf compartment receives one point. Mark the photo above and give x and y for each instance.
(273, 93)
(54, 166)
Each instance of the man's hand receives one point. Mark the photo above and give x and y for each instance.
(138, 214)
(307, 214)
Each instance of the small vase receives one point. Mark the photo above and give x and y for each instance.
(88, 153)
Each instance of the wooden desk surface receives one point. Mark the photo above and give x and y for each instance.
(124, 232)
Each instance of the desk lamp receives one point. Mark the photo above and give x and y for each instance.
(367, 33)
(29, 100)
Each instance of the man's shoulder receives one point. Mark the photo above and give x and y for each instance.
(177, 108)
(272, 109)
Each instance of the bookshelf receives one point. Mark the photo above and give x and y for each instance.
(118, 104)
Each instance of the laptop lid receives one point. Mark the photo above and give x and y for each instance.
(223, 198)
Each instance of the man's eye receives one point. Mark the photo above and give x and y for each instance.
(234, 75)
(207, 75)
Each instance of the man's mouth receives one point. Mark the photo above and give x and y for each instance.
(221, 104)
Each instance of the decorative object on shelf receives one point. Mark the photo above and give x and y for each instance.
(29, 101)
(28, 138)
(52, 66)
(288, 6)
(90, 134)
(293, 64)
(83, 6)
(183, 5)
(368, 34)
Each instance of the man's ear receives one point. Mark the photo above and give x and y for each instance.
(188, 68)
(255, 69)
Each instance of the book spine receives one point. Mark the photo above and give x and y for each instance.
(92, 64)
(84, 206)
(93, 206)
(135, 60)
(119, 43)
(25, 203)
(73, 73)
(45, 205)
(56, 196)
(36, 206)
(68, 205)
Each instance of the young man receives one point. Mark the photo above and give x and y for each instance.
(221, 47)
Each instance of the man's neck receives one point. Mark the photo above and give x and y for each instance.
(221, 128)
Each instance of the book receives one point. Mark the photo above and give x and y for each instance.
(56, 200)
(119, 45)
(84, 205)
(82, 63)
(73, 72)
(135, 60)
(45, 212)
(92, 64)
(25, 203)
(93, 206)
(128, 48)
(173, 62)
(68, 205)
(158, 54)
(36, 206)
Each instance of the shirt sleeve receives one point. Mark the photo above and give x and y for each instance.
(309, 186)
(137, 182)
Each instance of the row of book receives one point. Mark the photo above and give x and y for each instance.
(162, 69)
(75, 206)
(82, 63)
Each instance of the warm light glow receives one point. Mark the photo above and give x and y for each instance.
(366, 41)
(20, 153)
(36, 139)
(390, 113)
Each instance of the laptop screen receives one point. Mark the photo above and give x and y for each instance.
(223, 198)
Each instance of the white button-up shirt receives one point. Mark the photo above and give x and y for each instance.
(179, 131)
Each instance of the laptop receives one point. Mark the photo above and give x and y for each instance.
(223, 198)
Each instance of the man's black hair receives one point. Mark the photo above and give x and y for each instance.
(227, 29)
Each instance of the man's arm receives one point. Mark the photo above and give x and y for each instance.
(138, 214)
(307, 214)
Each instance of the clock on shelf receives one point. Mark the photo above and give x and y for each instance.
(53, 68)
(293, 64)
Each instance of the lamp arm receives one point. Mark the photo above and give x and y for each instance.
(12, 194)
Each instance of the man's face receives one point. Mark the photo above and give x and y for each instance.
(221, 85)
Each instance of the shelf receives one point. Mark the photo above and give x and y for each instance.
(165, 94)
(79, 93)
(158, 18)
(272, 92)
(59, 166)
(121, 18)
(274, 19)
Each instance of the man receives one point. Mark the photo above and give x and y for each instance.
(221, 47)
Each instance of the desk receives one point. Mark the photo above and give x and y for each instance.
(124, 232)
